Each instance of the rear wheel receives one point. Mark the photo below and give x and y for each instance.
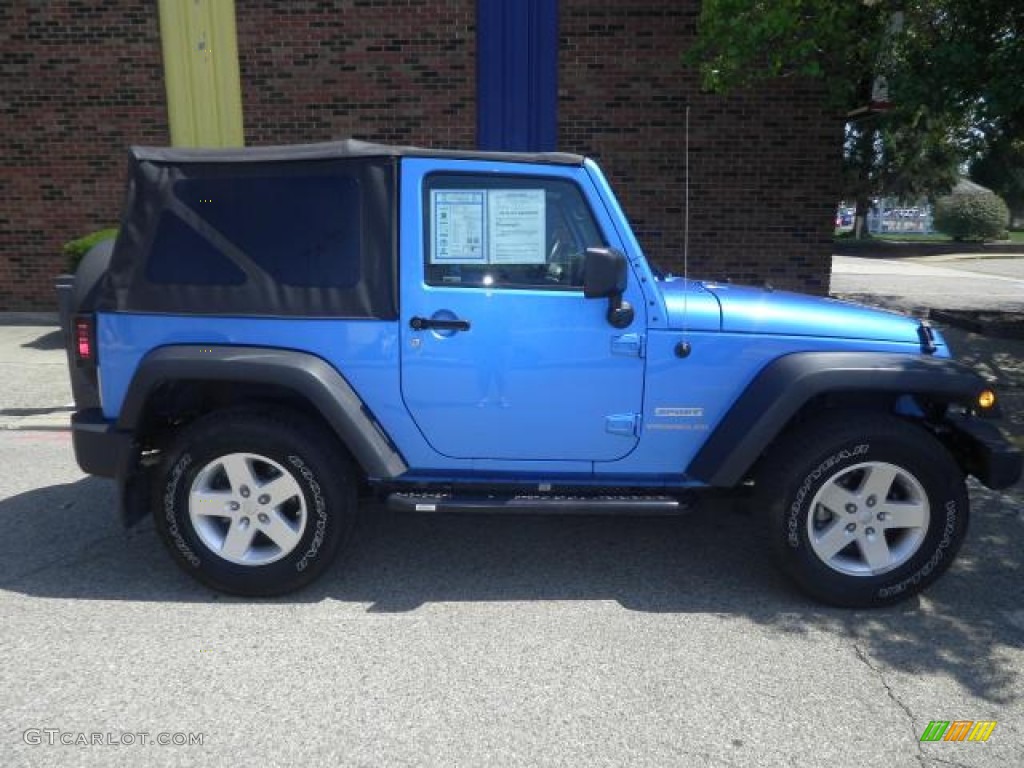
(255, 502)
(863, 509)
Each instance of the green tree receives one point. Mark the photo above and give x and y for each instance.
(743, 42)
(950, 68)
(898, 154)
(1000, 167)
(963, 57)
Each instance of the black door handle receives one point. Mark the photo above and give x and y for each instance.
(423, 323)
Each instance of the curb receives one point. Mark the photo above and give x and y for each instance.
(881, 249)
(996, 325)
(57, 420)
(29, 318)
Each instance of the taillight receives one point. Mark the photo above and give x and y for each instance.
(85, 340)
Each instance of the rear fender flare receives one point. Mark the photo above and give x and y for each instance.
(307, 375)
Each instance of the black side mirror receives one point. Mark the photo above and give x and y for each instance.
(604, 276)
(604, 273)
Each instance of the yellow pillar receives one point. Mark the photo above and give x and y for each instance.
(200, 50)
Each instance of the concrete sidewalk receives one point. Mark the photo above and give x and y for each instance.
(953, 281)
(36, 394)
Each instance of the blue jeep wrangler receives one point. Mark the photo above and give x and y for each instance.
(279, 331)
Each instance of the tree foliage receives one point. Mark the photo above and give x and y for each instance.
(951, 70)
(962, 56)
(949, 56)
(743, 42)
(1000, 167)
(900, 154)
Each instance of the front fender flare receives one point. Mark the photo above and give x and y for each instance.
(783, 386)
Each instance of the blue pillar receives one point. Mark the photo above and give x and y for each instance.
(517, 75)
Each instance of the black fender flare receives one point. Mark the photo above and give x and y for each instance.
(783, 386)
(307, 375)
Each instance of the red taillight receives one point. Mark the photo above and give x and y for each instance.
(85, 347)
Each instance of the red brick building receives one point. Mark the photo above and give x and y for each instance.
(81, 81)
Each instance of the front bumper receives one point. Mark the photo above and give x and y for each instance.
(985, 452)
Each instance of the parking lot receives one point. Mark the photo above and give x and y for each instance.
(447, 640)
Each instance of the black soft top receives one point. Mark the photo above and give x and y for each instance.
(302, 230)
(336, 150)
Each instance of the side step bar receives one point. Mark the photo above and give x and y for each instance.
(541, 504)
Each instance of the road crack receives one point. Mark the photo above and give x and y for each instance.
(895, 699)
(940, 761)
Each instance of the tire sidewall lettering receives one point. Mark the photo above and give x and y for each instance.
(173, 510)
(948, 531)
(320, 509)
(818, 453)
(810, 481)
(320, 473)
(170, 510)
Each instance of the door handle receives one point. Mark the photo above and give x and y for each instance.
(423, 323)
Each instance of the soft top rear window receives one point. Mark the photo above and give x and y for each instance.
(302, 230)
(303, 237)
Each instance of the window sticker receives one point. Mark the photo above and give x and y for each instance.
(458, 227)
(495, 226)
(515, 226)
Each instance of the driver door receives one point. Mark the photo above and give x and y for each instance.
(502, 356)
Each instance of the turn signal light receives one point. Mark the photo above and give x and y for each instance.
(986, 399)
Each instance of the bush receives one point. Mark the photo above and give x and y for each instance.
(972, 216)
(76, 249)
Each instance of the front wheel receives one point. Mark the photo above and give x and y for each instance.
(863, 509)
(254, 503)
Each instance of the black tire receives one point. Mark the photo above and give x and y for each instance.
(810, 471)
(317, 484)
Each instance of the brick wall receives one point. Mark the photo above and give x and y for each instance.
(80, 81)
(397, 71)
(764, 164)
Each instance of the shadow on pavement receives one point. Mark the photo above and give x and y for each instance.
(65, 542)
(47, 341)
(1002, 362)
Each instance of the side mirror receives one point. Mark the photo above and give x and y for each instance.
(604, 273)
(604, 277)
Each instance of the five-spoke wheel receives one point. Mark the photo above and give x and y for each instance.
(247, 508)
(864, 509)
(255, 502)
(868, 519)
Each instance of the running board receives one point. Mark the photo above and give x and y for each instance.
(540, 504)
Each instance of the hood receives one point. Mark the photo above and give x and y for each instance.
(759, 310)
(690, 305)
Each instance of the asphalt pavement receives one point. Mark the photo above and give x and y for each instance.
(489, 641)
